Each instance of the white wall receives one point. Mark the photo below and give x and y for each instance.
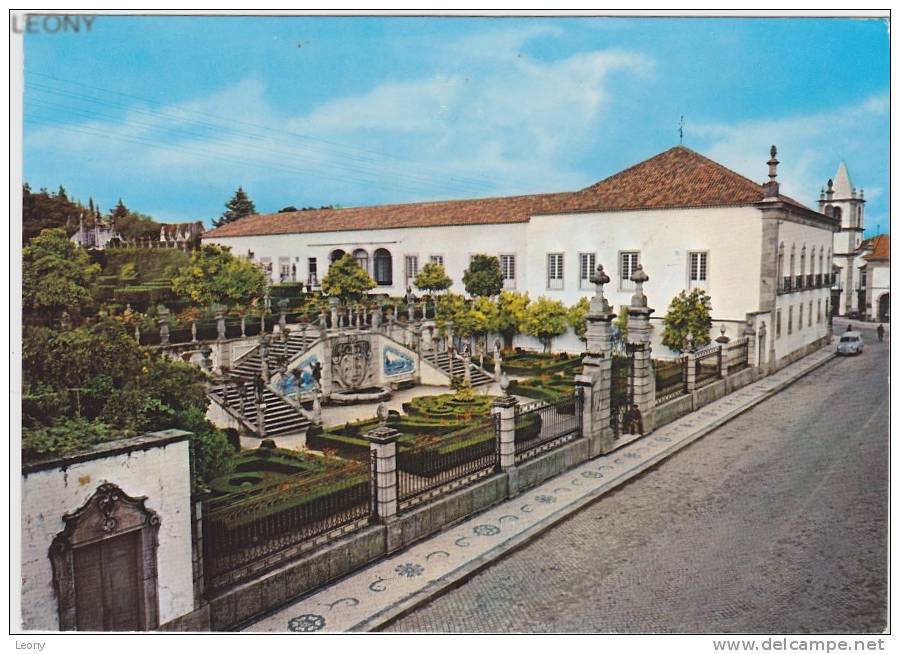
(162, 474)
(732, 237)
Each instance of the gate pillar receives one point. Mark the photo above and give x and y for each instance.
(596, 377)
(643, 381)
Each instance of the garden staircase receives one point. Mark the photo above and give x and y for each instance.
(280, 417)
(249, 365)
(455, 368)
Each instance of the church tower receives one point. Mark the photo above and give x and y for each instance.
(841, 200)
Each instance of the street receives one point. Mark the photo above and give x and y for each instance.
(774, 523)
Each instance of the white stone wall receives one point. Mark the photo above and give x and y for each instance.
(162, 474)
(732, 236)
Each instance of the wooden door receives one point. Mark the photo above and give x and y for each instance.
(107, 584)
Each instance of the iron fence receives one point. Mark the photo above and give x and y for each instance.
(447, 463)
(738, 354)
(248, 533)
(707, 366)
(622, 391)
(671, 379)
(543, 428)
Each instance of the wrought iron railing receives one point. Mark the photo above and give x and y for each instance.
(798, 281)
(545, 427)
(738, 354)
(248, 533)
(447, 463)
(810, 280)
(671, 379)
(707, 366)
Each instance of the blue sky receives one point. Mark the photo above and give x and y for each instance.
(173, 113)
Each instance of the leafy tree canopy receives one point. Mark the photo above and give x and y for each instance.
(56, 275)
(545, 319)
(483, 277)
(688, 312)
(44, 210)
(346, 280)
(236, 208)
(621, 322)
(578, 317)
(511, 312)
(432, 278)
(215, 276)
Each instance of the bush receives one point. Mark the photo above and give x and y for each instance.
(65, 435)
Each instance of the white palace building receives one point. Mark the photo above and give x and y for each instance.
(764, 258)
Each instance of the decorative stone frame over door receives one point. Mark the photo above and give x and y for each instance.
(108, 514)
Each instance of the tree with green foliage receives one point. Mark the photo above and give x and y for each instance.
(448, 307)
(44, 210)
(688, 312)
(621, 322)
(578, 317)
(57, 275)
(512, 308)
(91, 384)
(432, 278)
(477, 319)
(236, 208)
(483, 278)
(546, 319)
(134, 226)
(215, 276)
(346, 280)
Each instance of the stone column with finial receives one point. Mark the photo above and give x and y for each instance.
(690, 362)
(467, 366)
(264, 357)
(163, 322)
(282, 315)
(383, 445)
(498, 360)
(333, 305)
(595, 380)
(503, 409)
(750, 334)
(643, 380)
(763, 359)
(723, 341)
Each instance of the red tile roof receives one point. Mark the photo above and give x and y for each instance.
(881, 248)
(676, 178)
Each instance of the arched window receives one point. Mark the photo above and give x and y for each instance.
(821, 261)
(793, 260)
(837, 213)
(362, 258)
(803, 260)
(383, 268)
(335, 255)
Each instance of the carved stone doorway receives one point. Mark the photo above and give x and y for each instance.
(104, 564)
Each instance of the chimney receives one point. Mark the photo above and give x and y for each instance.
(771, 187)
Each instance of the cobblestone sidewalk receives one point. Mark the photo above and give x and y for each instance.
(386, 589)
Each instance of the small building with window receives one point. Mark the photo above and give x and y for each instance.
(689, 221)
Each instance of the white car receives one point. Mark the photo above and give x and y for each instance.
(850, 343)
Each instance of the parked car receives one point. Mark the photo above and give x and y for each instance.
(850, 343)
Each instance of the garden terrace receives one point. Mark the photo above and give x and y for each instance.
(522, 363)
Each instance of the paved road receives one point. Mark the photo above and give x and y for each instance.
(775, 522)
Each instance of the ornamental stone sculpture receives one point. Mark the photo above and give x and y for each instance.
(639, 277)
(598, 302)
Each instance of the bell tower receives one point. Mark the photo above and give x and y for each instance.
(841, 199)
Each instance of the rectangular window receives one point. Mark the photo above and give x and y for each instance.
(819, 311)
(312, 271)
(800, 318)
(266, 264)
(778, 323)
(809, 318)
(555, 271)
(412, 268)
(791, 319)
(587, 261)
(508, 270)
(697, 269)
(284, 269)
(436, 258)
(628, 263)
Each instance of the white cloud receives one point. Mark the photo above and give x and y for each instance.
(810, 147)
(490, 120)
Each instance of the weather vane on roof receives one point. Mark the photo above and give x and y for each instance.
(681, 131)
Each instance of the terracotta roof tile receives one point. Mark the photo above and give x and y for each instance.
(678, 177)
(881, 247)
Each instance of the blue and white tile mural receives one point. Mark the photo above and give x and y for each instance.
(302, 377)
(397, 363)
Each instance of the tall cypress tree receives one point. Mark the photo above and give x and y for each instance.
(238, 207)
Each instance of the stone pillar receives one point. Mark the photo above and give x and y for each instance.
(194, 331)
(690, 363)
(467, 370)
(334, 312)
(163, 322)
(376, 318)
(505, 409)
(282, 317)
(259, 395)
(383, 445)
(643, 381)
(137, 333)
(243, 326)
(220, 324)
(595, 380)
(763, 359)
(498, 361)
(264, 357)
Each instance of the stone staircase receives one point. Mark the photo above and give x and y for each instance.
(455, 367)
(280, 417)
(250, 364)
